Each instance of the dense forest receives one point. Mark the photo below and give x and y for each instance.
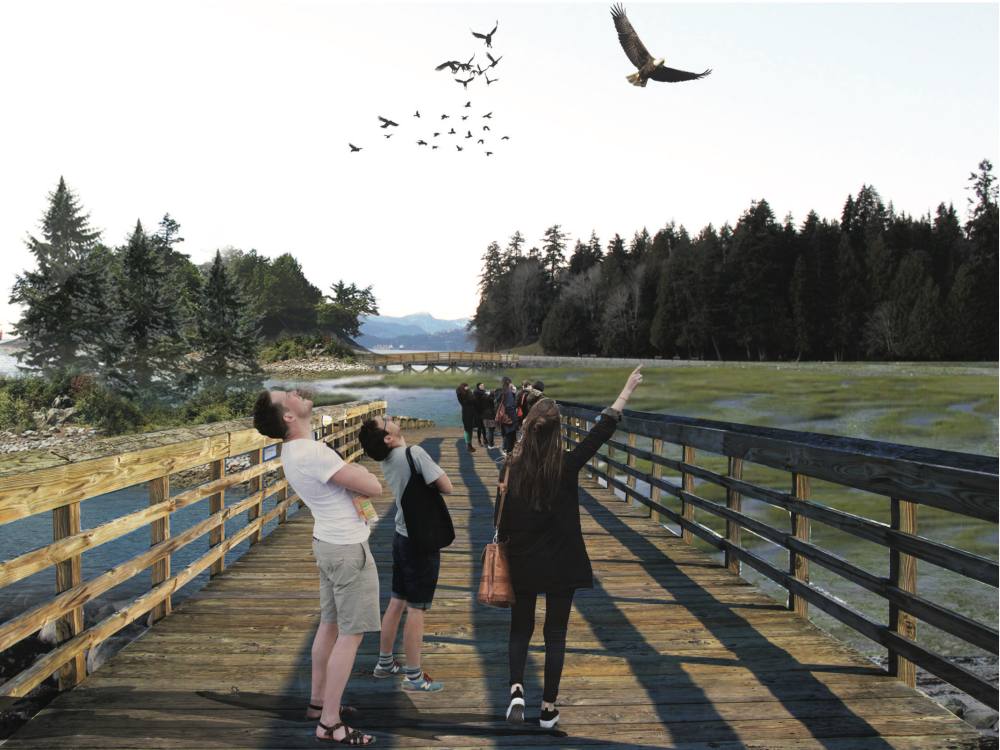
(152, 326)
(875, 285)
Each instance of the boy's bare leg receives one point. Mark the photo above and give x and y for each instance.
(326, 637)
(390, 625)
(413, 635)
(338, 670)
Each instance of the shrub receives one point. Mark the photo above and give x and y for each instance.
(112, 413)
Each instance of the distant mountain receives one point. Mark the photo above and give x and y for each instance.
(416, 331)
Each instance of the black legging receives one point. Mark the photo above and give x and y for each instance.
(522, 625)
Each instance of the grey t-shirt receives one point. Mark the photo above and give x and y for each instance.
(396, 471)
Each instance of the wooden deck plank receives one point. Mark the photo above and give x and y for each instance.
(668, 650)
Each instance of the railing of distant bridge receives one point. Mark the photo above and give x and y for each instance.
(39, 481)
(905, 476)
(470, 359)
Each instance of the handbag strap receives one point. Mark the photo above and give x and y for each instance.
(409, 460)
(503, 496)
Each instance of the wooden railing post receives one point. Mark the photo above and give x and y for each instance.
(902, 575)
(588, 425)
(65, 522)
(159, 492)
(215, 504)
(256, 484)
(630, 462)
(687, 484)
(734, 501)
(655, 492)
(798, 566)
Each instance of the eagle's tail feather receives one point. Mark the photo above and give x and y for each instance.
(635, 79)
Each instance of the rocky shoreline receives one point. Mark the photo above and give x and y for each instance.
(312, 367)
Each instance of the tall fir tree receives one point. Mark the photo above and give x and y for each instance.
(229, 336)
(68, 317)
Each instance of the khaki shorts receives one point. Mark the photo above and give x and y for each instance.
(348, 586)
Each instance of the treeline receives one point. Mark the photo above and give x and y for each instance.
(876, 284)
(153, 326)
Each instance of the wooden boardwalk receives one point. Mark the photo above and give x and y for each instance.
(668, 650)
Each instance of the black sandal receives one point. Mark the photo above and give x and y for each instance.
(355, 737)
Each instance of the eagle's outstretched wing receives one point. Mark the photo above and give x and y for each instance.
(672, 75)
(635, 50)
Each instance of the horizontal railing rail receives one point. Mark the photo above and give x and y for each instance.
(907, 476)
(40, 482)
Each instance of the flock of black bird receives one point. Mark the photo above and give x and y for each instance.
(457, 68)
(647, 68)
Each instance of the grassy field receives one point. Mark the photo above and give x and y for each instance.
(917, 404)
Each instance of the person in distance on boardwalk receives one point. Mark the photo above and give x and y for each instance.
(470, 414)
(484, 405)
(414, 571)
(507, 399)
(541, 525)
(348, 578)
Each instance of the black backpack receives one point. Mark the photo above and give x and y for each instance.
(428, 523)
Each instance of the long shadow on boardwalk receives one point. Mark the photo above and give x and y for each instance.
(752, 647)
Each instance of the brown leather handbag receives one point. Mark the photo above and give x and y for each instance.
(495, 586)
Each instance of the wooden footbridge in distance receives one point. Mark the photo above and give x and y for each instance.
(440, 361)
(669, 649)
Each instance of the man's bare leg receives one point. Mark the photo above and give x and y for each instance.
(338, 670)
(325, 638)
(413, 636)
(390, 625)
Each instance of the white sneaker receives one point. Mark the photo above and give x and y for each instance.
(515, 711)
(548, 719)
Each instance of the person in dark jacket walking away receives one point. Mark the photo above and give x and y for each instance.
(541, 525)
(508, 428)
(470, 413)
(484, 404)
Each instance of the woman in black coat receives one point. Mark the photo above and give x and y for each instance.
(470, 413)
(484, 405)
(541, 525)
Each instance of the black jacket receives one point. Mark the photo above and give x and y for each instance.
(470, 412)
(546, 549)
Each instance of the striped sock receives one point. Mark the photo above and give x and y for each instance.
(385, 660)
(413, 674)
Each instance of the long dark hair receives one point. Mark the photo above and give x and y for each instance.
(537, 461)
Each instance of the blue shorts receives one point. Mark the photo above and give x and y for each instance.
(414, 573)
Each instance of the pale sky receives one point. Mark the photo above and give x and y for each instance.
(235, 118)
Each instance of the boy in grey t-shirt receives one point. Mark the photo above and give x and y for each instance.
(414, 571)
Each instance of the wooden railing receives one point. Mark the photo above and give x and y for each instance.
(495, 359)
(39, 481)
(905, 476)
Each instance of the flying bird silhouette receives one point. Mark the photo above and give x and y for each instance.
(487, 37)
(493, 61)
(386, 123)
(354, 148)
(445, 117)
(468, 104)
(458, 147)
(451, 132)
(417, 113)
(433, 147)
(455, 66)
(421, 142)
(505, 138)
(489, 153)
(486, 127)
(388, 135)
(488, 116)
(436, 135)
(636, 51)
(491, 80)
(480, 141)
(468, 65)
(465, 83)
(479, 71)
(468, 134)
(465, 117)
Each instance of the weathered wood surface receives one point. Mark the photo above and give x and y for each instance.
(669, 649)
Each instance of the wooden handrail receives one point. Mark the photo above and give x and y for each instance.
(962, 483)
(39, 482)
(439, 358)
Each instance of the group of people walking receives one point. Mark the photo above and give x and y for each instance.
(500, 411)
(540, 523)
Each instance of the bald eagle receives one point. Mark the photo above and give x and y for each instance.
(636, 51)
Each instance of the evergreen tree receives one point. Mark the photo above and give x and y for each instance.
(493, 268)
(553, 254)
(68, 318)
(151, 344)
(341, 312)
(229, 336)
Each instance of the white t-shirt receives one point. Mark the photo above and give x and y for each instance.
(308, 465)
(396, 470)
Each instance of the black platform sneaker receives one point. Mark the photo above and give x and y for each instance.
(548, 719)
(515, 711)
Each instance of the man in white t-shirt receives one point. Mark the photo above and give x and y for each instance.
(414, 571)
(348, 591)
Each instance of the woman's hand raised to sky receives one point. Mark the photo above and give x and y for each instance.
(630, 385)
